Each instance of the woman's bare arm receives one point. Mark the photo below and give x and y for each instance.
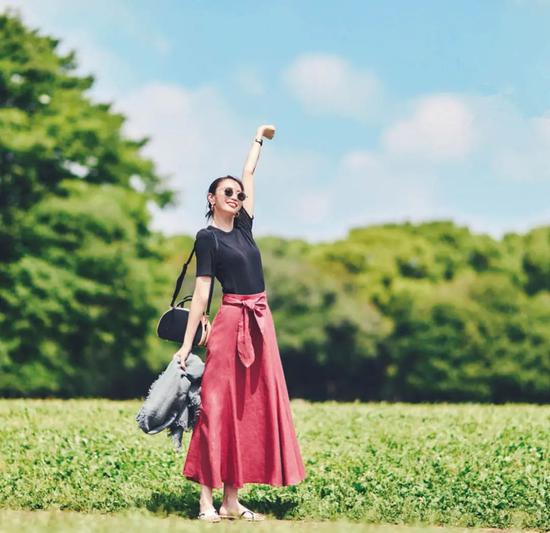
(267, 131)
(196, 309)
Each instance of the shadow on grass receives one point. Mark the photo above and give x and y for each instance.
(186, 503)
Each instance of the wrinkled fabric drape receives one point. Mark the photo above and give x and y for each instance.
(252, 309)
(245, 431)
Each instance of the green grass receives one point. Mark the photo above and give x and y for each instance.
(130, 520)
(461, 465)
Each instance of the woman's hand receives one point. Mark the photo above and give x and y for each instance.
(182, 354)
(266, 130)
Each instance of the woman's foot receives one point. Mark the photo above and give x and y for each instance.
(209, 515)
(239, 511)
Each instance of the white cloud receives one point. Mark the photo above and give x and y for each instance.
(441, 127)
(506, 143)
(113, 75)
(482, 141)
(380, 189)
(193, 132)
(373, 188)
(249, 81)
(196, 137)
(424, 143)
(526, 156)
(477, 140)
(292, 190)
(328, 84)
(111, 72)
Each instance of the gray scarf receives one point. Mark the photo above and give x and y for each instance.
(173, 400)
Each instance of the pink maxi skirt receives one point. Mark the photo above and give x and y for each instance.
(245, 431)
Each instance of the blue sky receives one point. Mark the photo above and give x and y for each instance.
(385, 111)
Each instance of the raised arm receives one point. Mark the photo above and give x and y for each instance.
(267, 131)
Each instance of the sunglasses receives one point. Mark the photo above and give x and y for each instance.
(241, 196)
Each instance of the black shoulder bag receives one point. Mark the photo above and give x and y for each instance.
(173, 323)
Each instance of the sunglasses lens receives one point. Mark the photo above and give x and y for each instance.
(229, 193)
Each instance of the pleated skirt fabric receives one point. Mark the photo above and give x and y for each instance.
(245, 431)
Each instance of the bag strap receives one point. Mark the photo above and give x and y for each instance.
(184, 270)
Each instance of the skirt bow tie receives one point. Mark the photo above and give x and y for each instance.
(252, 309)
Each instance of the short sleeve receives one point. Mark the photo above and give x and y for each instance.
(244, 220)
(204, 253)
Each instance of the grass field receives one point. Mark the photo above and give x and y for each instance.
(454, 465)
(131, 520)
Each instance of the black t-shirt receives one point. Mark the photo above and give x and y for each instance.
(238, 263)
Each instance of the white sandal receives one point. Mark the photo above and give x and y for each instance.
(209, 516)
(252, 516)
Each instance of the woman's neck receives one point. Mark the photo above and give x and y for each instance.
(223, 223)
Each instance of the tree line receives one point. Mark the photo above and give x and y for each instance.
(411, 312)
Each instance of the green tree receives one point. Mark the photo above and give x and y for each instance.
(536, 260)
(76, 279)
(328, 334)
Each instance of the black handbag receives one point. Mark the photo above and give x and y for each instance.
(173, 323)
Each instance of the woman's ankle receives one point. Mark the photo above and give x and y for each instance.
(230, 503)
(205, 505)
(206, 498)
(206, 501)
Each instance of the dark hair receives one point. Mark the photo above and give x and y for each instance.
(214, 186)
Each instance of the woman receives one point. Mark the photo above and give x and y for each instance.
(244, 432)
